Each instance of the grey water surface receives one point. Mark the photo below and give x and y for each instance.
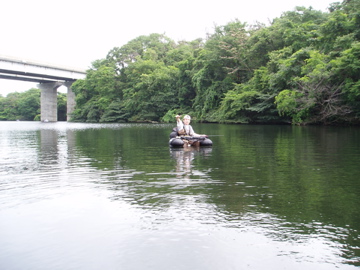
(115, 196)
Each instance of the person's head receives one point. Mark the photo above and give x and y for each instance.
(186, 119)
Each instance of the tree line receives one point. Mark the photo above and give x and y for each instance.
(25, 106)
(304, 68)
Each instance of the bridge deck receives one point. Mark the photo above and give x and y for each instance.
(16, 69)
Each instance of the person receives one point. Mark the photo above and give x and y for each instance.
(183, 128)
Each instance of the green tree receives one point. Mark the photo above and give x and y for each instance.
(134, 78)
(8, 108)
(95, 93)
(20, 106)
(153, 90)
(183, 57)
(218, 66)
(29, 104)
(346, 69)
(137, 48)
(303, 68)
(62, 106)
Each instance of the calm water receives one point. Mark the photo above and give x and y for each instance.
(115, 196)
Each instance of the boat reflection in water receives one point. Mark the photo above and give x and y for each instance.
(184, 160)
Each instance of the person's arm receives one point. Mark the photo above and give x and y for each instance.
(179, 123)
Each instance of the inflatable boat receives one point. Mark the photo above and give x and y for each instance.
(195, 141)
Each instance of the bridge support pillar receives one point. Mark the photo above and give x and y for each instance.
(70, 100)
(49, 101)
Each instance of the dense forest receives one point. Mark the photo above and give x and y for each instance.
(26, 106)
(302, 69)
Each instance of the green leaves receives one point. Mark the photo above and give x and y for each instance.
(26, 106)
(303, 68)
(287, 104)
(20, 106)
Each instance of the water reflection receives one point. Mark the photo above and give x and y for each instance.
(184, 158)
(49, 151)
(291, 195)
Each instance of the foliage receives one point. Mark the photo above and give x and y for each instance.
(25, 106)
(169, 116)
(303, 69)
(61, 106)
(20, 106)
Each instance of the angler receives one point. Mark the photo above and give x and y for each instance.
(183, 135)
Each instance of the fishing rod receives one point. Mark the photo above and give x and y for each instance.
(196, 138)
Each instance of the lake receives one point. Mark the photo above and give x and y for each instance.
(115, 196)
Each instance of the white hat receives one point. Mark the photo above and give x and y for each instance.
(187, 117)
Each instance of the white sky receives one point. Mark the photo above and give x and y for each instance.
(74, 33)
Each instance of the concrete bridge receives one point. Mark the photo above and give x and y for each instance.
(49, 78)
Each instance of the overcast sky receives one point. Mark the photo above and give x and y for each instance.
(76, 32)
